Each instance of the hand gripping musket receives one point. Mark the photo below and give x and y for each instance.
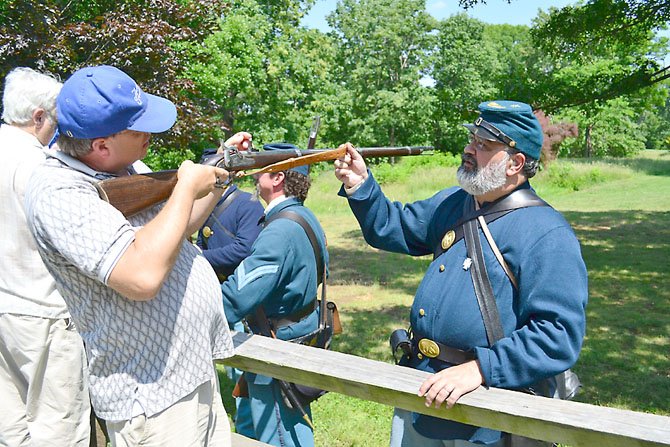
(134, 193)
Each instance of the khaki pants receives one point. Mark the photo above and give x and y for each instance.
(198, 419)
(43, 383)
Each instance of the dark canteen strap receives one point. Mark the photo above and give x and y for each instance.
(318, 254)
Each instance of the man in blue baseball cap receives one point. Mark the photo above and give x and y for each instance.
(276, 286)
(144, 299)
(507, 312)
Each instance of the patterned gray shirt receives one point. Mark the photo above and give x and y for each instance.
(150, 353)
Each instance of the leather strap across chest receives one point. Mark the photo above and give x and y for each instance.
(521, 198)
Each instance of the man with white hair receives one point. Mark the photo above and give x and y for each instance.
(43, 386)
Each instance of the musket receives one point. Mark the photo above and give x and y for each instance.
(311, 142)
(134, 193)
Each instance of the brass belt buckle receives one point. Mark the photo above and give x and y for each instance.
(429, 348)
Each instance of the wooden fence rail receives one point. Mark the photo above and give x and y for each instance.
(572, 423)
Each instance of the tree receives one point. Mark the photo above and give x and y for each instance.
(554, 134)
(141, 37)
(655, 124)
(623, 46)
(465, 69)
(263, 71)
(382, 51)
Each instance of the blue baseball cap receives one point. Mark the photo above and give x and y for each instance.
(100, 101)
(304, 170)
(511, 123)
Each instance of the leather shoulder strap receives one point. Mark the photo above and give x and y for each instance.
(214, 216)
(481, 281)
(521, 198)
(297, 218)
(318, 254)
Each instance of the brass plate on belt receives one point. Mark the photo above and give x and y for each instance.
(207, 232)
(448, 239)
(429, 348)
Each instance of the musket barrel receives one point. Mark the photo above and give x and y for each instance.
(245, 160)
(392, 151)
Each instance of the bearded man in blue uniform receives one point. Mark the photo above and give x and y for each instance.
(280, 275)
(542, 316)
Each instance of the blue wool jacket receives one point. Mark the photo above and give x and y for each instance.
(543, 322)
(233, 232)
(280, 273)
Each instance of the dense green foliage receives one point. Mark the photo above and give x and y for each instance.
(387, 74)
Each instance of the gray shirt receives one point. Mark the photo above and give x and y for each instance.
(150, 353)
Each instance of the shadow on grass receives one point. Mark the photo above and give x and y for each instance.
(625, 360)
(366, 332)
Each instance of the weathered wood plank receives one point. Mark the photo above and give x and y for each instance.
(238, 440)
(572, 423)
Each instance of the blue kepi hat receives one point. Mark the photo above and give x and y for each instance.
(103, 100)
(304, 170)
(510, 122)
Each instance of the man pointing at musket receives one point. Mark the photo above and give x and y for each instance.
(144, 299)
(530, 267)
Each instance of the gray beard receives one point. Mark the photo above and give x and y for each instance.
(481, 181)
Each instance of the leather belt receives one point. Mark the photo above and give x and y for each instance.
(425, 347)
(295, 317)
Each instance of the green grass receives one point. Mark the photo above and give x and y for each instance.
(620, 210)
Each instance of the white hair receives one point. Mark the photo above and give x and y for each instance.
(25, 91)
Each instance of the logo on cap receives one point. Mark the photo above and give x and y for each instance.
(137, 95)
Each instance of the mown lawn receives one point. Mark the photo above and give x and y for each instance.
(620, 210)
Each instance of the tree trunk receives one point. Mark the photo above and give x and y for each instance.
(588, 144)
(392, 143)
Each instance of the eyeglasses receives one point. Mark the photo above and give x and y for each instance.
(483, 145)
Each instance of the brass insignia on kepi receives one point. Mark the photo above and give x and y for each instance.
(207, 232)
(429, 348)
(448, 239)
(495, 105)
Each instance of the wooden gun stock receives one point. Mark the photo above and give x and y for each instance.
(134, 193)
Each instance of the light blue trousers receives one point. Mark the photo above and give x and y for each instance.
(243, 422)
(274, 422)
(404, 435)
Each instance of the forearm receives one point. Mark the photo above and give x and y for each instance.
(148, 260)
